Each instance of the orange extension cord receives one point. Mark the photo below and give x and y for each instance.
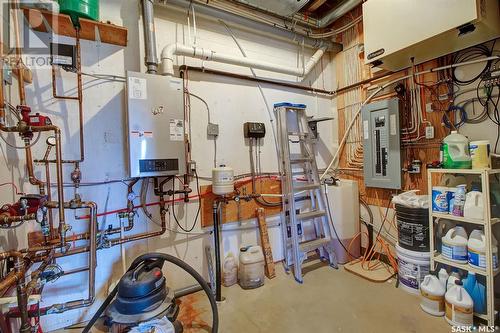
(370, 254)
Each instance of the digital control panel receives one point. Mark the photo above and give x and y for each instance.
(159, 165)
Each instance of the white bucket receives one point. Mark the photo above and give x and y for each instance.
(412, 268)
(480, 154)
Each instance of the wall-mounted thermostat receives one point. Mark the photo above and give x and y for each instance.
(254, 130)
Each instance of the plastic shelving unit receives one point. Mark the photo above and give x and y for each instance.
(487, 223)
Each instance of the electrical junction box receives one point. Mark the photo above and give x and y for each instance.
(155, 125)
(396, 31)
(254, 130)
(381, 144)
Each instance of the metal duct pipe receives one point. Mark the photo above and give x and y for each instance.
(169, 51)
(338, 12)
(151, 58)
(278, 32)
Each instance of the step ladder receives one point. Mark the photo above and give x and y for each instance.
(300, 182)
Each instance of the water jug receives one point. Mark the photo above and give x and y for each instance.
(458, 306)
(432, 292)
(454, 245)
(456, 152)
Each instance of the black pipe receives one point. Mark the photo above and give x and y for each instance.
(218, 280)
(187, 291)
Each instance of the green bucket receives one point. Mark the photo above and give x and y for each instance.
(77, 9)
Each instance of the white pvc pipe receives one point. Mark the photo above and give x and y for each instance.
(169, 51)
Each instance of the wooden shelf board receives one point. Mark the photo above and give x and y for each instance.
(61, 25)
(466, 267)
(459, 218)
(464, 171)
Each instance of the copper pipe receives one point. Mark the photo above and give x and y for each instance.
(8, 220)
(32, 285)
(92, 248)
(80, 93)
(49, 198)
(54, 87)
(22, 297)
(15, 19)
(11, 254)
(31, 171)
(71, 305)
(78, 98)
(145, 235)
(59, 171)
(2, 98)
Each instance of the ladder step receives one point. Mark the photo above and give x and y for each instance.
(311, 214)
(297, 160)
(313, 244)
(304, 134)
(306, 187)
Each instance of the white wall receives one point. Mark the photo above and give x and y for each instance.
(232, 103)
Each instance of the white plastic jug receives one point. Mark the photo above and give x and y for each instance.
(456, 152)
(450, 283)
(476, 247)
(458, 306)
(474, 205)
(454, 245)
(251, 270)
(432, 300)
(230, 270)
(443, 277)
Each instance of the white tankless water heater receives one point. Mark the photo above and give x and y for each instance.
(155, 125)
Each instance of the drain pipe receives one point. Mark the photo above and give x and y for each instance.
(255, 26)
(151, 58)
(169, 51)
(338, 12)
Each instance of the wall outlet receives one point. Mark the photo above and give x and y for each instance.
(429, 132)
(428, 108)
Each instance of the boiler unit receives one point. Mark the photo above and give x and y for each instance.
(396, 31)
(155, 125)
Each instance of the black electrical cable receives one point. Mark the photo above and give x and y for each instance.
(176, 261)
(463, 117)
(472, 53)
(199, 205)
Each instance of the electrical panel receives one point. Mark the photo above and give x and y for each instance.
(381, 144)
(254, 130)
(396, 31)
(155, 124)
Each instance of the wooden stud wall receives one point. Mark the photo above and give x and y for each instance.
(426, 150)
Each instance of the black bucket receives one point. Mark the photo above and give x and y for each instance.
(413, 228)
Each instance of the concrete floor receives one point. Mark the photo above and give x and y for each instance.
(328, 301)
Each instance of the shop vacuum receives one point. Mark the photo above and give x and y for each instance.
(142, 302)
